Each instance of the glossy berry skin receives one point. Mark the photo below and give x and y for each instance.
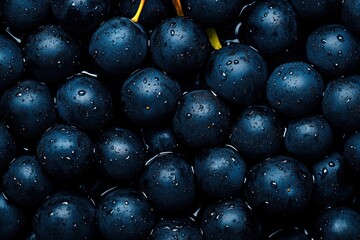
(237, 73)
(270, 26)
(25, 183)
(316, 9)
(160, 139)
(121, 154)
(65, 215)
(169, 183)
(201, 120)
(220, 172)
(279, 186)
(308, 138)
(294, 89)
(24, 15)
(124, 214)
(333, 49)
(290, 234)
(337, 223)
(332, 185)
(12, 220)
(64, 152)
(257, 133)
(212, 13)
(7, 147)
(128, 49)
(152, 15)
(11, 62)
(179, 46)
(84, 102)
(350, 14)
(174, 228)
(341, 103)
(51, 54)
(149, 97)
(351, 152)
(28, 109)
(80, 17)
(230, 218)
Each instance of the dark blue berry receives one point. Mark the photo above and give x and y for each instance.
(294, 89)
(279, 186)
(230, 218)
(179, 46)
(168, 182)
(85, 103)
(51, 54)
(258, 132)
(121, 154)
(237, 73)
(25, 183)
(149, 97)
(24, 15)
(341, 103)
(220, 172)
(332, 184)
(118, 46)
(65, 152)
(309, 138)
(333, 49)
(124, 214)
(270, 26)
(65, 215)
(160, 139)
(337, 223)
(28, 109)
(201, 120)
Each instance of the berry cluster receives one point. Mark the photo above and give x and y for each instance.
(159, 119)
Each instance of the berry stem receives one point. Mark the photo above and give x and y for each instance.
(213, 38)
(135, 18)
(178, 8)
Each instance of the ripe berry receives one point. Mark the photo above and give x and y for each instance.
(65, 152)
(121, 154)
(220, 172)
(65, 215)
(25, 183)
(51, 54)
(201, 119)
(149, 97)
(124, 214)
(179, 46)
(169, 183)
(128, 49)
(85, 103)
(237, 73)
(257, 133)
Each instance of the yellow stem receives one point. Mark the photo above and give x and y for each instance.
(213, 38)
(135, 19)
(178, 8)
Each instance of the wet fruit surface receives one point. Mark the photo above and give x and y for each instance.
(179, 119)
